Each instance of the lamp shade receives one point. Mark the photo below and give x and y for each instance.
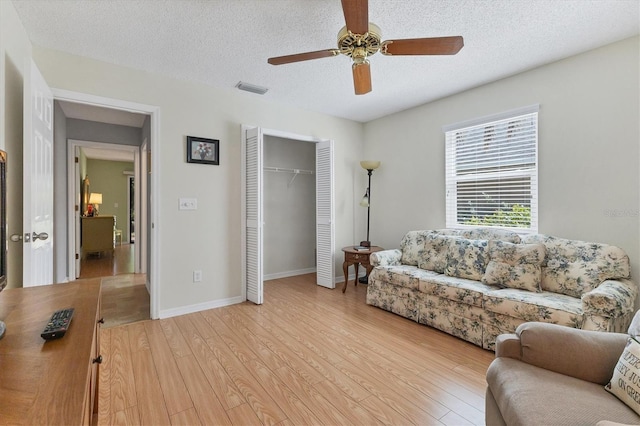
(95, 198)
(369, 164)
(365, 200)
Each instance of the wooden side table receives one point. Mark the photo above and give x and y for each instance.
(356, 258)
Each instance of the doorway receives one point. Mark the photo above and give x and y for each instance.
(148, 250)
(253, 209)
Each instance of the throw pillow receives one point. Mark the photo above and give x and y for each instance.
(467, 258)
(514, 265)
(625, 383)
(412, 245)
(434, 254)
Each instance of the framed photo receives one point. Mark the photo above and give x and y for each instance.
(203, 151)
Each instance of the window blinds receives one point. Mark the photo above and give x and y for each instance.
(492, 174)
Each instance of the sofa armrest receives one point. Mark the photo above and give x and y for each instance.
(386, 258)
(611, 299)
(584, 354)
(508, 346)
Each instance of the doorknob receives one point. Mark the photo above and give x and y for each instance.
(41, 236)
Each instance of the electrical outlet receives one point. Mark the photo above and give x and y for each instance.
(197, 276)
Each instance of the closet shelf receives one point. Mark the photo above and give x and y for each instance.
(295, 172)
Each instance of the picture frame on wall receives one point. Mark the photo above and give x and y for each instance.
(203, 150)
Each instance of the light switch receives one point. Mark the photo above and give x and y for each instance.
(188, 204)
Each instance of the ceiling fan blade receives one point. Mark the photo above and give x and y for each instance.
(356, 15)
(298, 57)
(423, 46)
(361, 78)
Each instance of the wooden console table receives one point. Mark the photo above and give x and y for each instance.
(357, 257)
(56, 381)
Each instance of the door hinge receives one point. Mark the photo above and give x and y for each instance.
(77, 160)
(77, 257)
(77, 208)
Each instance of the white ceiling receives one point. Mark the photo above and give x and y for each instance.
(221, 42)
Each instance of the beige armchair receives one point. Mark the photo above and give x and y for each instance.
(547, 374)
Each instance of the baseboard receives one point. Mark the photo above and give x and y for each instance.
(288, 274)
(339, 278)
(351, 277)
(183, 310)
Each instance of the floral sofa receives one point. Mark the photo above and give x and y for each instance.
(479, 283)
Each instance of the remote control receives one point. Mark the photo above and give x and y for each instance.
(58, 324)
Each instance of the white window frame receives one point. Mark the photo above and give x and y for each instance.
(452, 179)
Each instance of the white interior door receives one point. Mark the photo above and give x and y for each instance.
(37, 225)
(325, 227)
(252, 159)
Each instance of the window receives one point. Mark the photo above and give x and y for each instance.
(492, 171)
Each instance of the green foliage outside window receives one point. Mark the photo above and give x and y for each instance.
(517, 216)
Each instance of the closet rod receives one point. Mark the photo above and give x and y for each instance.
(283, 170)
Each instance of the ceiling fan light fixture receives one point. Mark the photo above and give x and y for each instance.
(348, 42)
(248, 87)
(359, 39)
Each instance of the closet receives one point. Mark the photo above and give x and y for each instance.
(282, 173)
(289, 207)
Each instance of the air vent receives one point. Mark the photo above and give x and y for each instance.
(247, 87)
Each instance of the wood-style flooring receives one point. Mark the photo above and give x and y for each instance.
(121, 261)
(125, 298)
(308, 355)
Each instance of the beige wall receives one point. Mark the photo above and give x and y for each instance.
(588, 150)
(207, 239)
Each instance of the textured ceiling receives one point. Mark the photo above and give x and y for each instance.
(221, 42)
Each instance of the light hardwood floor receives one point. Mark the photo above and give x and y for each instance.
(308, 355)
(108, 264)
(125, 298)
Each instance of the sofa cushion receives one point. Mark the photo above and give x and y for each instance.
(467, 258)
(435, 252)
(401, 275)
(490, 234)
(514, 265)
(529, 395)
(528, 306)
(576, 267)
(462, 290)
(625, 382)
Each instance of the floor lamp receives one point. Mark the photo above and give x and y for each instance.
(369, 166)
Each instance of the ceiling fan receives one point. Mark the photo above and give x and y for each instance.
(360, 39)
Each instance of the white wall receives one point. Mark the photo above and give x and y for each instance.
(588, 150)
(209, 238)
(289, 210)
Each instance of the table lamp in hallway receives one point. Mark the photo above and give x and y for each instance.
(95, 199)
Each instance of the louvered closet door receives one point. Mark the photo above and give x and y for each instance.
(253, 243)
(324, 214)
